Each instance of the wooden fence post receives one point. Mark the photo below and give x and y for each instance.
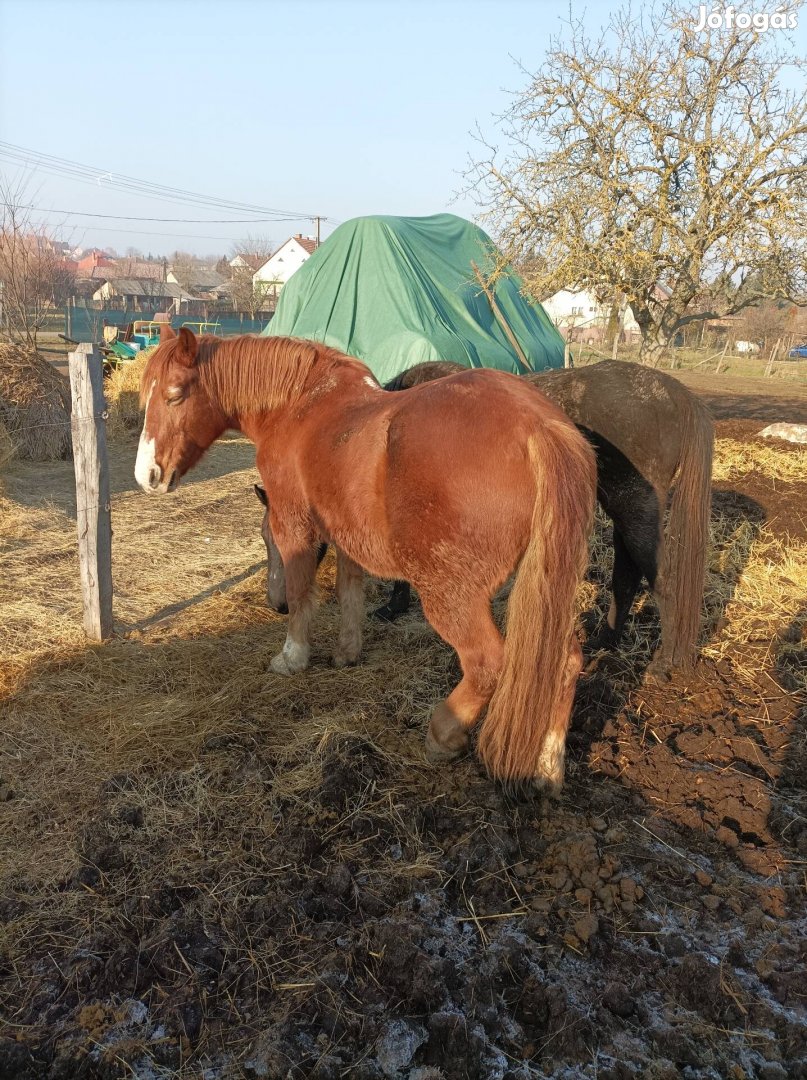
(568, 360)
(93, 517)
(722, 356)
(772, 357)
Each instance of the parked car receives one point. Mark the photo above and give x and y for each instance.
(799, 352)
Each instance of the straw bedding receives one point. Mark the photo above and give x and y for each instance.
(209, 871)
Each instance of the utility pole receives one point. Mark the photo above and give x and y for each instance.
(317, 221)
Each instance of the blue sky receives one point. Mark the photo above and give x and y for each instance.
(336, 108)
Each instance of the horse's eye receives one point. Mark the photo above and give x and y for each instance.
(174, 397)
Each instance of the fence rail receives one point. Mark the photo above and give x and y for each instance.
(86, 324)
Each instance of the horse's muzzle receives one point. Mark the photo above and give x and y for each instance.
(156, 485)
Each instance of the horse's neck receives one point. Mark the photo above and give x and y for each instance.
(272, 385)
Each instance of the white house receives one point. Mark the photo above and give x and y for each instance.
(289, 257)
(579, 316)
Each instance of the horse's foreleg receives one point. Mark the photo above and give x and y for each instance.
(480, 648)
(350, 594)
(275, 572)
(301, 567)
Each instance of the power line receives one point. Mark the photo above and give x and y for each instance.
(141, 232)
(178, 221)
(89, 174)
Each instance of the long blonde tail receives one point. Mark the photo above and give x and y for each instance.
(541, 655)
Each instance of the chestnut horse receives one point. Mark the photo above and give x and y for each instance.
(647, 431)
(452, 486)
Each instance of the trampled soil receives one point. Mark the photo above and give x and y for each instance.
(339, 908)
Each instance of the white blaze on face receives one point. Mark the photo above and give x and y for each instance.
(145, 462)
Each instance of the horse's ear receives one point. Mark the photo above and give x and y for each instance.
(186, 351)
(261, 493)
(166, 332)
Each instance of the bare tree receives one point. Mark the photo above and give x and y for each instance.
(764, 323)
(34, 275)
(250, 295)
(184, 265)
(659, 162)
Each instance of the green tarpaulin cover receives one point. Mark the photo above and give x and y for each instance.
(395, 291)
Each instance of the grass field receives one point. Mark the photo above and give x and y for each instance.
(705, 361)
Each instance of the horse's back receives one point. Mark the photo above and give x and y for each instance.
(636, 409)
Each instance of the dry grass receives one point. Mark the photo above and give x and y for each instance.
(187, 667)
(34, 405)
(194, 637)
(179, 716)
(734, 460)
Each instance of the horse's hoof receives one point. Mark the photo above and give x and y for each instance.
(280, 665)
(290, 661)
(658, 673)
(446, 738)
(549, 786)
(590, 621)
(436, 752)
(343, 660)
(281, 609)
(605, 640)
(386, 613)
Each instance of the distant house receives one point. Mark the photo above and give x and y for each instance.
(290, 256)
(144, 295)
(245, 261)
(579, 316)
(203, 281)
(92, 260)
(131, 269)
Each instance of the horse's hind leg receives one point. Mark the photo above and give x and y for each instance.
(350, 594)
(625, 581)
(480, 648)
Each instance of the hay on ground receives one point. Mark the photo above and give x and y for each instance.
(6, 445)
(734, 460)
(34, 405)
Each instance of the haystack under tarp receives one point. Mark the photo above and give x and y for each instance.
(396, 291)
(6, 445)
(34, 405)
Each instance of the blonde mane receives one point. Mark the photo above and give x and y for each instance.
(249, 373)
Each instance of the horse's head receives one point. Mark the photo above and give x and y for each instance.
(180, 420)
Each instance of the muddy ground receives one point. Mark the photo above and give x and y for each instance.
(335, 907)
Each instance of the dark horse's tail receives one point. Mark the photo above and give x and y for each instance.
(523, 735)
(683, 563)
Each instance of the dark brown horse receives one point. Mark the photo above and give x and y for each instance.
(452, 486)
(647, 430)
